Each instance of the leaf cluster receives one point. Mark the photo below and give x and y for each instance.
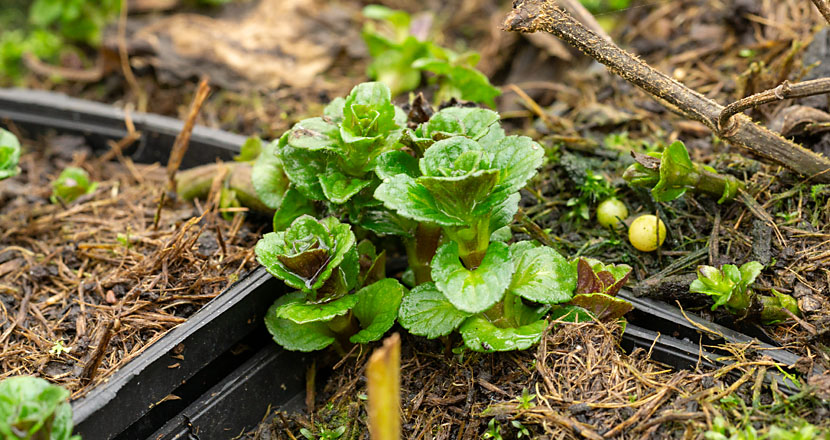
(401, 50)
(672, 173)
(32, 408)
(730, 287)
(9, 154)
(447, 187)
(73, 182)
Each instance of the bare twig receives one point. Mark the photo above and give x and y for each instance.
(824, 8)
(545, 15)
(183, 139)
(784, 91)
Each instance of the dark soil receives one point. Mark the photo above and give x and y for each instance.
(97, 269)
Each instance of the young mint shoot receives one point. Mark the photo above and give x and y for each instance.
(32, 408)
(9, 154)
(401, 50)
(672, 173)
(731, 287)
(448, 188)
(334, 301)
(73, 182)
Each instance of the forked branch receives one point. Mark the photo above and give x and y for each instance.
(545, 15)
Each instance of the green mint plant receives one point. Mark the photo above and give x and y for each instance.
(672, 173)
(730, 287)
(401, 51)
(9, 154)
(336, 302)
(73, 182)
(33, 409)
(330, 159)
(447, 185)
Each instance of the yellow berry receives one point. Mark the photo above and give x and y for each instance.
(647, 233)
(611, 213)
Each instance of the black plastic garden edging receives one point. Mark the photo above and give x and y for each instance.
(206, 347)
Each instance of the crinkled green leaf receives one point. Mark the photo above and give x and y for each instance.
(73, 182)
(301, 312)
(441, 158)
(377, 309)
(392, 163)
(473, 85)
(472, 291)
(503, 213)
(405, 196)
(304, 168)
(461, 197)
(33, 408)
(350, 268)
(603, 307)
(541, 274)
(268, 177)
(334, 109)
(749, 272)
(249, 150)
(9, 154)
(425, 311)
(475, 123)
(314, 134)
(292, 206)
(306, 254)
(481, 335)
(368, 110)
(296, 337)
(677, 173)
(381, 221)
(517, 158)
(732, 273)
(338, 187)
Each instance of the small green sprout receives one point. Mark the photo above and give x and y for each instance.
(526, 399)
(73, 182)
(730, 287)
(672, 173)
(493, 430)
(9, 154)
(401, 50)
(58, 348)
(32, 408)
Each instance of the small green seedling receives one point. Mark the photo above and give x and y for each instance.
(672, 173)
(73, 182)
(331, 306)
(33, 409)
(730, 287)
(401, 51)
(58, 348)
(9, 154)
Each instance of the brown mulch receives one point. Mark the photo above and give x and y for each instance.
(97, 269)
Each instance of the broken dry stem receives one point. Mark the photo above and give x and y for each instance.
(783, 91)
(544, 15)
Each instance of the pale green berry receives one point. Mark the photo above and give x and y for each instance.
(611, 213)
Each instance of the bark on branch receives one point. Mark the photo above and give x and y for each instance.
(824, 8)
(783, 91)
(545, 15)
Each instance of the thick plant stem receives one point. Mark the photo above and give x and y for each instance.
(421, 249)
(544, 15)
(384, 382)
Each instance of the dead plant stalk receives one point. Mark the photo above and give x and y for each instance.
(545, 15)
